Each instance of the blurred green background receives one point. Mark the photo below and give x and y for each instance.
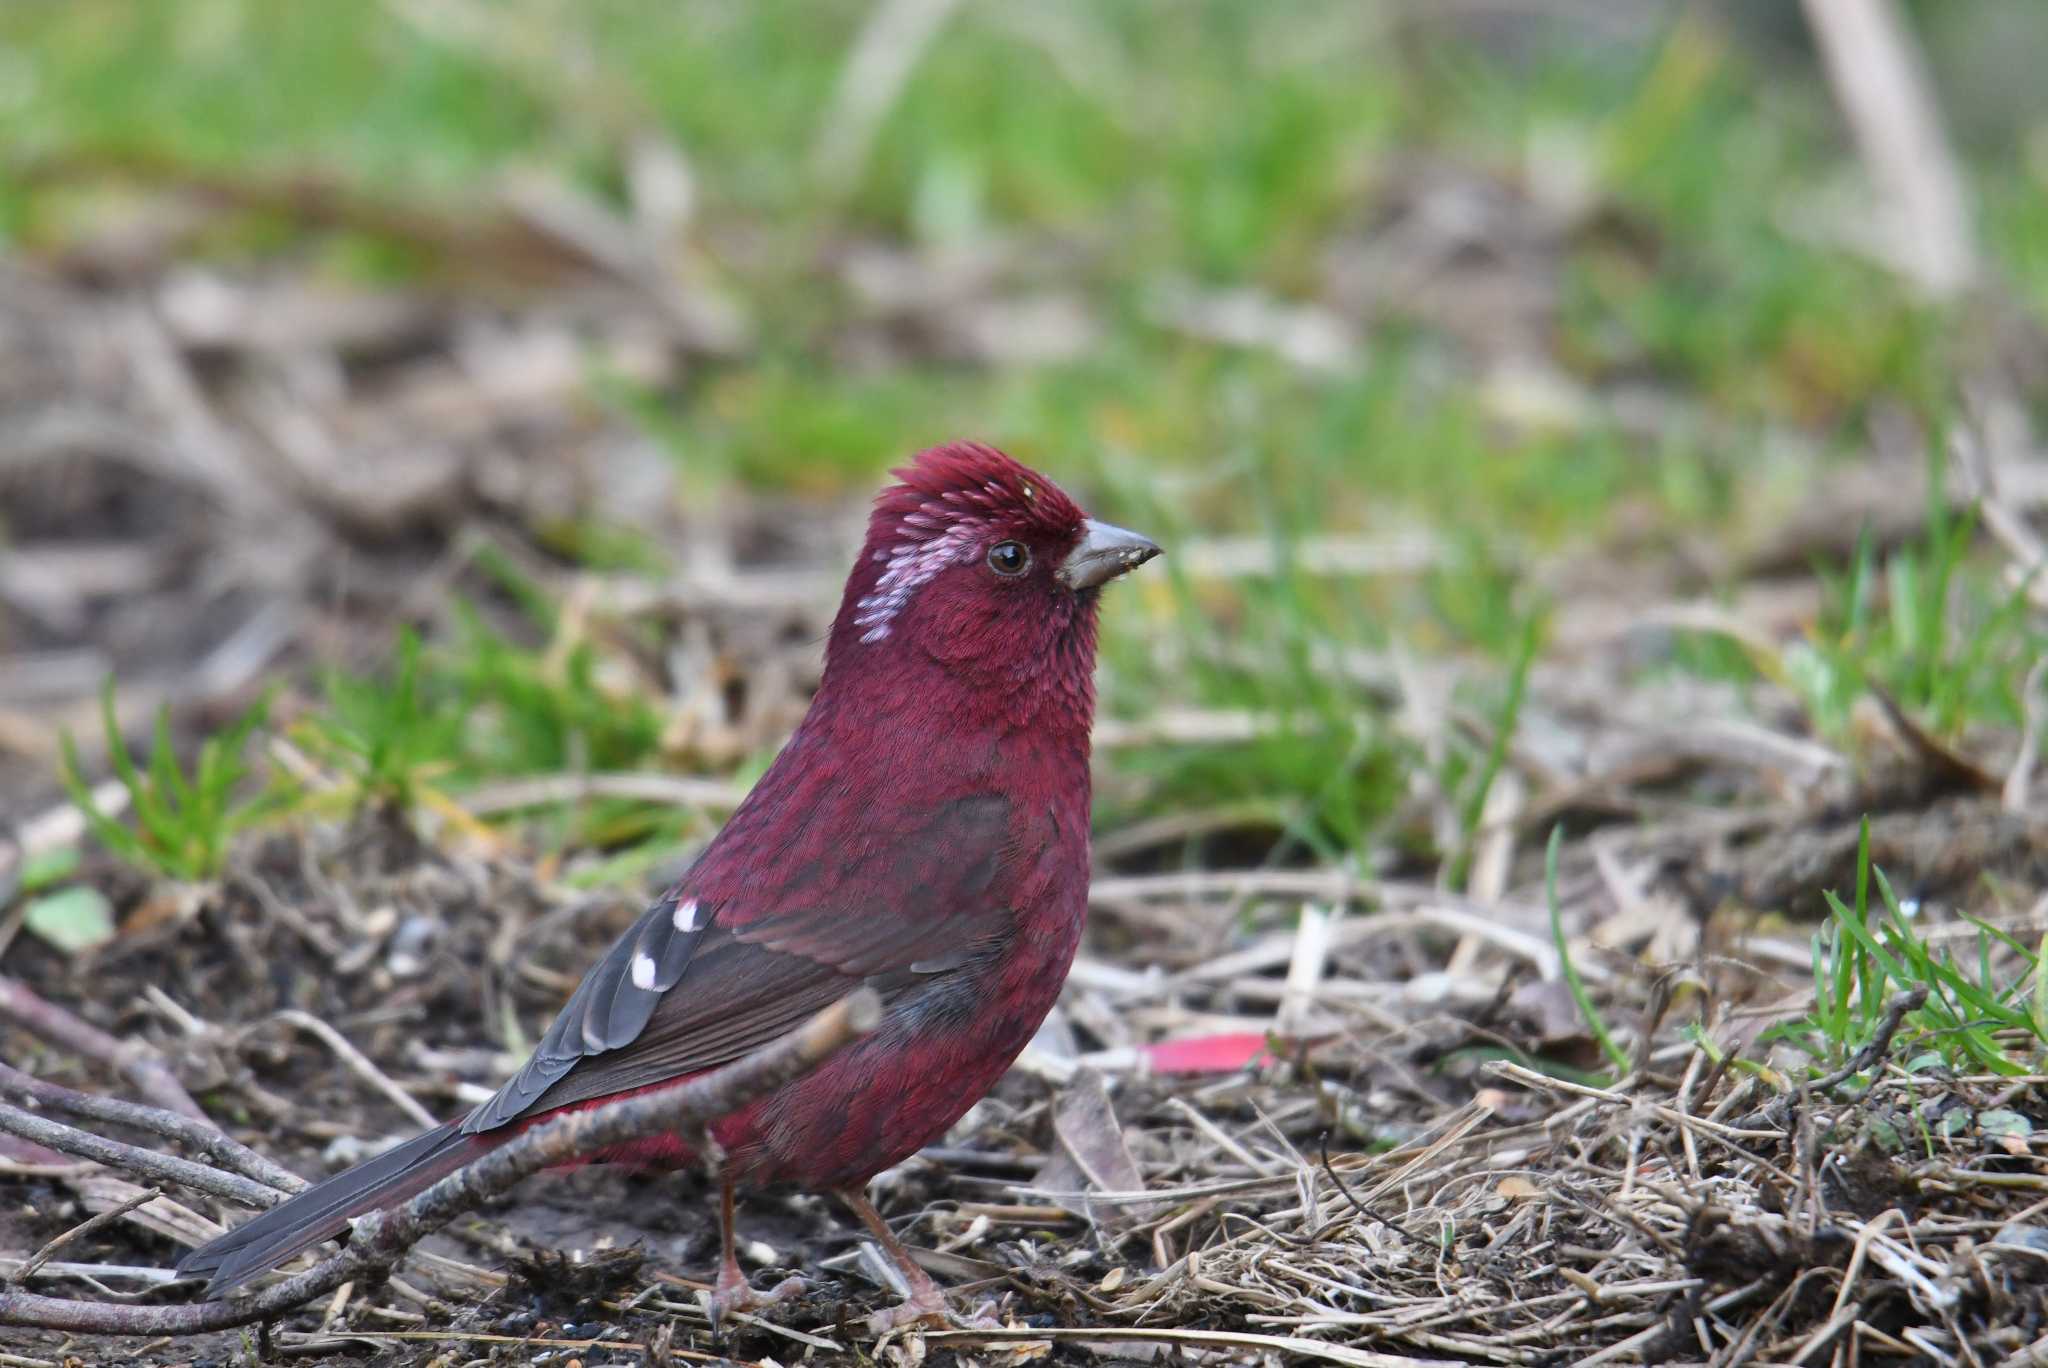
(1662, 157)
(1455, 288)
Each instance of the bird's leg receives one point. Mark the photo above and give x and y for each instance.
(925, 1305)
(733, 1293)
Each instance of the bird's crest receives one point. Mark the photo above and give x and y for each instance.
(949, 502)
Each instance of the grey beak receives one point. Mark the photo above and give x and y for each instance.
(1104, 553)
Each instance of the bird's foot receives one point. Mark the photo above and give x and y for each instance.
(734, 1293)
(925, 1309)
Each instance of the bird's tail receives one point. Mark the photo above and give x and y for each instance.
(326, 1207)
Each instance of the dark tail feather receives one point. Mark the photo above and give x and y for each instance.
(325, 1208)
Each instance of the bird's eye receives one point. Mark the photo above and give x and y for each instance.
(1009, 558)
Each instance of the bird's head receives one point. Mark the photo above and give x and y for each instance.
(982, 566)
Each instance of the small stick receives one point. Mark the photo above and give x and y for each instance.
(359, 1064)
(1307, 963)
(85, 1227)
(200, 1137)
(102, 1273)
(135, 1061)
(157, 1168)
(381, 1237)
(1361, 1208)
(61, 825)
(1880, 1044)
(2020, 778)
(1881, 83)
(547, 790)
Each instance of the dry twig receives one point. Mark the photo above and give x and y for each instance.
(1889, 103)
(161, 1168)
(34, 1262)
(199, 1136)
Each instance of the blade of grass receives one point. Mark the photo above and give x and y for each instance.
(1867, 992)
(1594, 1021)
(2040, 1002)
(118, 839)
(1497, 752)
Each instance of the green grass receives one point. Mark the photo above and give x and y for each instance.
(1596, 1024)
(389, 738)
(1214, 141)
(181, 823)
(1983, 1013)
(1117, 146)
(435, 722)
(1934, 622)
(446, 718)
(1472, 809)
(1326, 756)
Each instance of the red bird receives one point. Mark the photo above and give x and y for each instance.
(925, 832)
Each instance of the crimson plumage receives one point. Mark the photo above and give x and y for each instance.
(924, 831)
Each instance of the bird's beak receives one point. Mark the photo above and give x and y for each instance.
(1104, 553)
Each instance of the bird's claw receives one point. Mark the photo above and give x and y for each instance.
(926, 1309)
(734, 1293)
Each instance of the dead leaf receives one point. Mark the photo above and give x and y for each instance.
(1092, 1147)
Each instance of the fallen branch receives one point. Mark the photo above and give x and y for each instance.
(145, 1164)
(135, 1061)
(198, 1136)
(380, 1238)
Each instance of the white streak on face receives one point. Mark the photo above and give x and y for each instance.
(643, 971)
(912, 564)
(686, 917)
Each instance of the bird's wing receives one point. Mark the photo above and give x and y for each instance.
(701, 979)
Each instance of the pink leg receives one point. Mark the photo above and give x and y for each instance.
(926, 1305)
(733, 1292)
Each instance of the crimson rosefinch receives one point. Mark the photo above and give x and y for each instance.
(925, 832)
